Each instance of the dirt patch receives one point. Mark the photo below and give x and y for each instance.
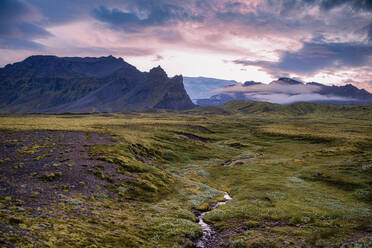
(37, 167)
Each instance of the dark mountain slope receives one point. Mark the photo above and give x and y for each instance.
(133, 91)
(347, 90)
(53, 84)
(41, 82)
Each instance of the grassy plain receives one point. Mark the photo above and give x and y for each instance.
(299, 176)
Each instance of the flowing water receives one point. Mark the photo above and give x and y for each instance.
(208, 231)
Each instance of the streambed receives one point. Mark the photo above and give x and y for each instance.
(208, 231)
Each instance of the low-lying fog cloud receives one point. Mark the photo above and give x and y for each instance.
(279, 93)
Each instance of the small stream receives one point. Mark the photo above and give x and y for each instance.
(208, 231)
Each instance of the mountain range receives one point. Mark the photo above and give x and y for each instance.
(203, 87)
(287, 91)
(50, 84)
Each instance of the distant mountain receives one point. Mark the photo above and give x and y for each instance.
(286, 81)
(222, 98)
(250, 83)
(287, 91)
(202, 87)
(216, 100)
(53, 84)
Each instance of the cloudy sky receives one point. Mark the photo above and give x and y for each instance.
(328, 41)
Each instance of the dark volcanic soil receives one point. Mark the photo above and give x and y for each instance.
(37, 166)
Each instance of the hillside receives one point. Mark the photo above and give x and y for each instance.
(299, 109)
(299, 176)
(52, 84)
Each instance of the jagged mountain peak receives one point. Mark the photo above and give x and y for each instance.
(158, 72)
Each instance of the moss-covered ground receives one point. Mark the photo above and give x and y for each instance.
(299, 176)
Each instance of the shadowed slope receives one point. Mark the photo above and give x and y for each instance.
(129, 90)
(107, 84)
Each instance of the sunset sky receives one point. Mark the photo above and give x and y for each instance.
(327, 41)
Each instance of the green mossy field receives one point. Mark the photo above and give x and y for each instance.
(299, 176)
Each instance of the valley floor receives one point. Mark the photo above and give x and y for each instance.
(136, 180)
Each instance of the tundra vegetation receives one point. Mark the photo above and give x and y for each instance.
(299, 175)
